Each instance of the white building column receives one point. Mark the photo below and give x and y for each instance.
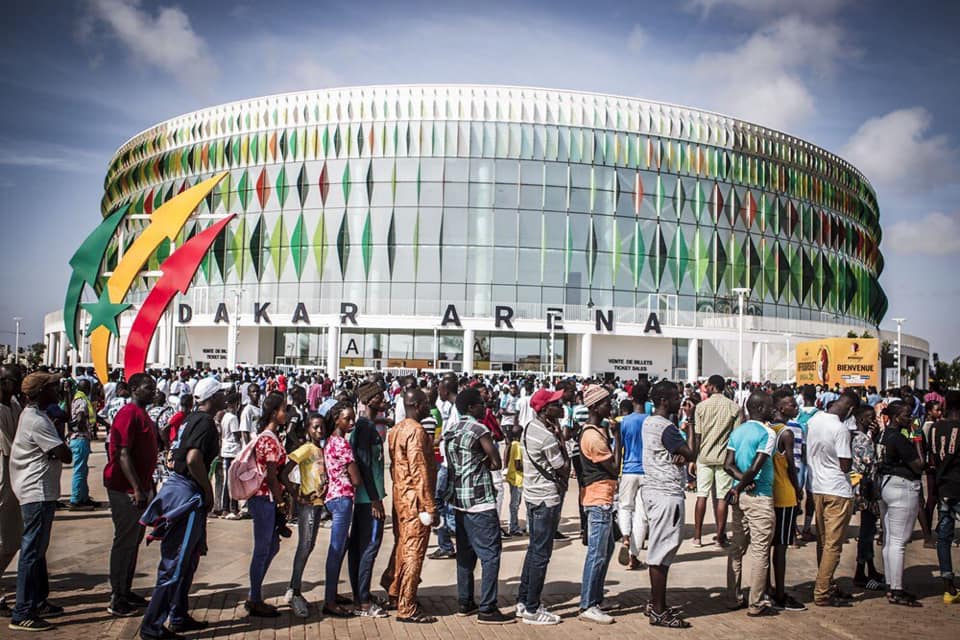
(586, 354)
(333, 350)
(468, 339)
(693, 360)
(756, 366)
(231, 346)
(64, 346)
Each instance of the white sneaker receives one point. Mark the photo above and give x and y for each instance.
(300, 607)
(594, 614)
(541, 617)
(288, 596)
(232, 516)
(521, 609)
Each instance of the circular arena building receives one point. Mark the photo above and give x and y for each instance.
(496, 228)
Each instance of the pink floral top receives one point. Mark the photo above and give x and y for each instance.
(268, 450)
(338, 455)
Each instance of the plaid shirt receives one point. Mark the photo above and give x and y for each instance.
(470, 483)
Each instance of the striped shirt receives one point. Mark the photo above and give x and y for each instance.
(541, 446)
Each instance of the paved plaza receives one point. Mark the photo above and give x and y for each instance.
(80, 546)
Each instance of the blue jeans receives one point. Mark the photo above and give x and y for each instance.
(516, 493)
(478, 537)
(542, 523)
(79, 491)
(366, 534)
(341, 512)
(949, 509)
(33, 584)
(600, 545)
(308, 524)
(447, 522)
(868, 531)
(266, 542)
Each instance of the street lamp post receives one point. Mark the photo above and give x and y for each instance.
(899, 322)
(741, 292)
(16, 348)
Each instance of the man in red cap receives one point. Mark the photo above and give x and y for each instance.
(546, 472)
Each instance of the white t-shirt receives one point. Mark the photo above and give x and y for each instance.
(828, 440)
(248, 419)
(525, 413)
(34, 475)
(230, 441)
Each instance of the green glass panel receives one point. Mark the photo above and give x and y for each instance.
(256, 247)
(303, 184)
(366, 245)
(243, 190)
(345, 182)
(297, 248)
(343, 245)
(320, 246)
(282, 187)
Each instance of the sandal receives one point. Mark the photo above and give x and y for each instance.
(373, 611)
(418, 618)
(668, 619)
(903, 598)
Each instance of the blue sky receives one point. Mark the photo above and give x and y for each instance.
(872, 81)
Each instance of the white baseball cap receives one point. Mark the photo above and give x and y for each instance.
(206, 388)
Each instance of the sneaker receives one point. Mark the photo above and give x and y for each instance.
(120, 608)
(540, 617)
(189, 625)
(6, 611)
(80, 506)
(495, 617)
(299, 604)
(440, 554)
(464, 610)
(136, 599)
(951, 598)
(165, 634)
(789, 603)
(288, 596)
(559, 536)
(35, 623)
(762, 610)
(372, 611)
(505, 534)
(49, 610)
(232, 516)
(521, 609)
(594, 614)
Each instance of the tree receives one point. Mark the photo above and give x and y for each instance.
(852, 334)
(866, 334)
(35, 354)
(946, 374)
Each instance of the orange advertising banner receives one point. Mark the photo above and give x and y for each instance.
(849, 362)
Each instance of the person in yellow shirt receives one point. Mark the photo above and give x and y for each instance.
(786, 497)
(514, 478)
(306, 464)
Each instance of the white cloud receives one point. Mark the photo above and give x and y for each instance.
(164, 40)
(51, 157)
(767, 7)
(898, 152)
(765, 78)
(936, 234)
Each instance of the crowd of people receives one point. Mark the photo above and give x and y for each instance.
(300, 450)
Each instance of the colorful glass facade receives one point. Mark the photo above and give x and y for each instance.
(406, 199)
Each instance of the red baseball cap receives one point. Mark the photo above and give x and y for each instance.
(543, 397)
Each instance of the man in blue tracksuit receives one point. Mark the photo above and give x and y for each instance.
(178, 515)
